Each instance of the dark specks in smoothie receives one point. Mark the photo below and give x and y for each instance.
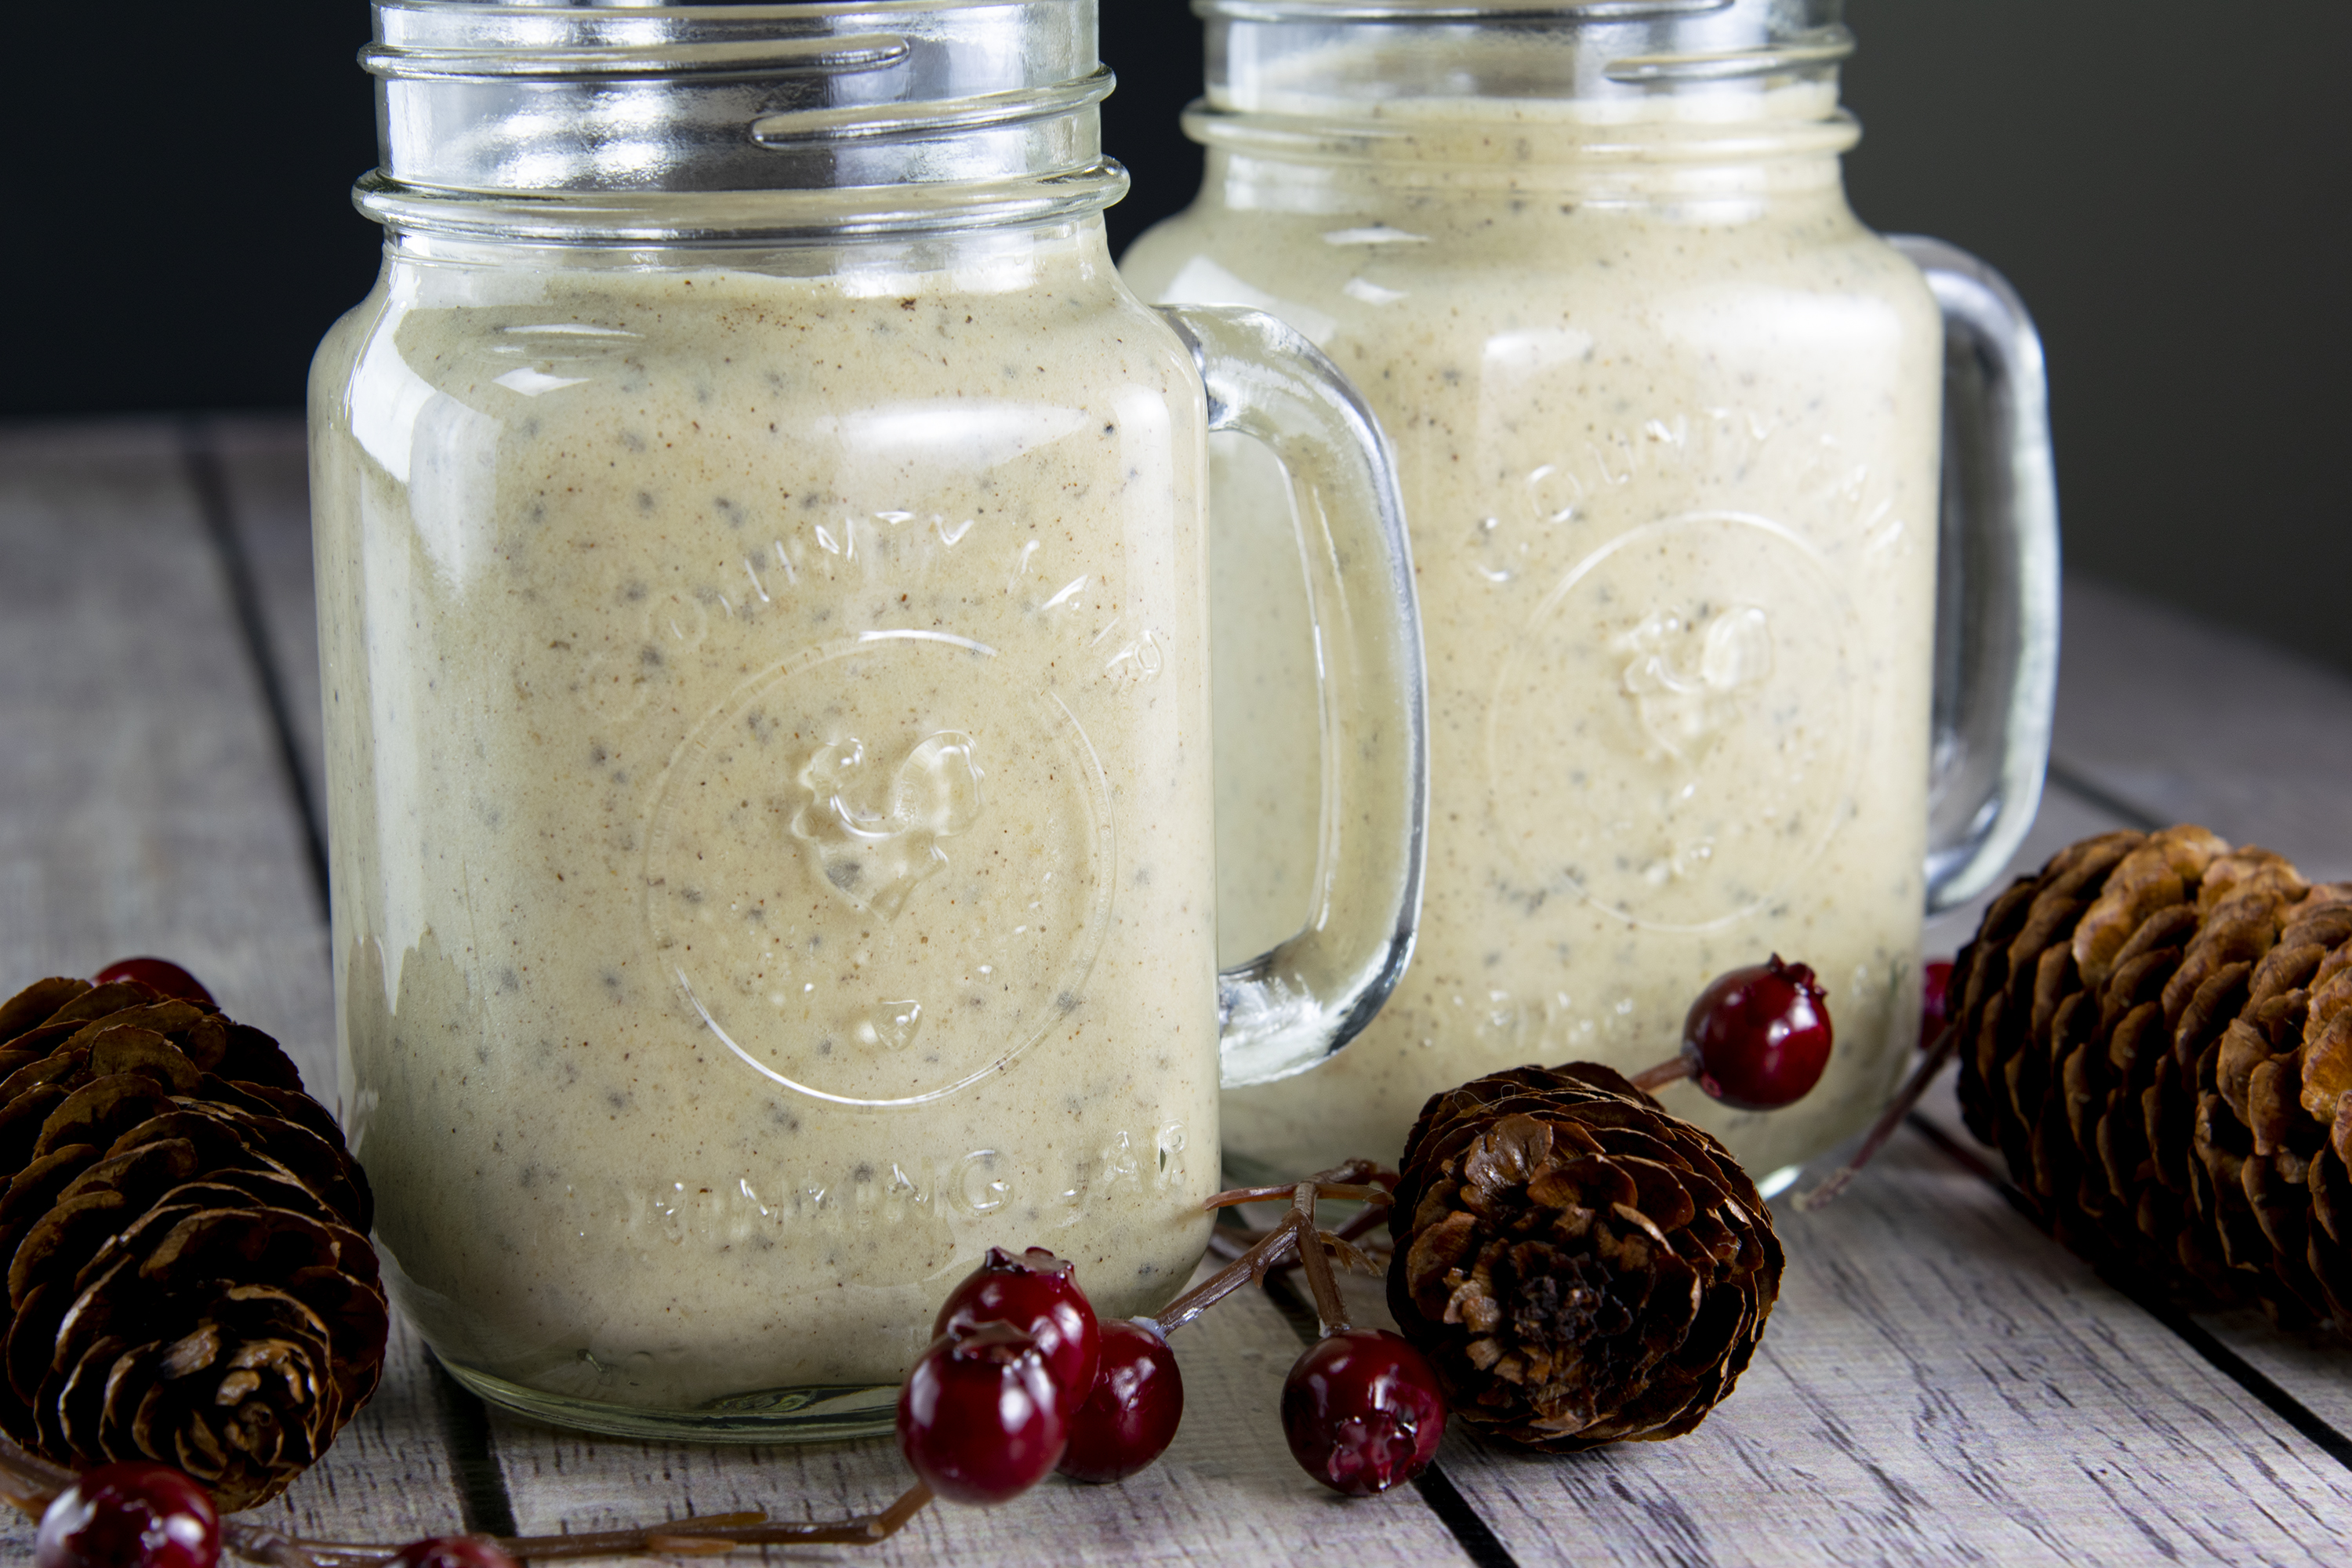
(596, 755)
(510, 980)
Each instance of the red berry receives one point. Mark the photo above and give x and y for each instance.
(1038, 1292)
(1935, 1000)
(452, 1551)
(1362, 1411)
(1130, 1418)
(1757, 1037)
(158, 975)
(130, 1515)
(980, 1419)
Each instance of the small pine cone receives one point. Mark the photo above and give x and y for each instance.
(1579, 1265)
(188, 1273)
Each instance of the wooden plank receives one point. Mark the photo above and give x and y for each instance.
(1227, 1491)
(147, 809)
(2190, 722)
(264, 463)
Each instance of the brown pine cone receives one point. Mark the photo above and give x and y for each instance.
(2154, 1031)
(188, 1273)
(1579, 1265)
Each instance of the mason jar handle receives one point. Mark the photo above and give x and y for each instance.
(1996, 578)
(1285, 1010)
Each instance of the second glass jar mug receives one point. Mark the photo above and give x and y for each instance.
(1666, 421)
(764, 625)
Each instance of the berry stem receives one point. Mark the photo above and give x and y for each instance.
(722, 1529)
(1329, 1305)
(1226, 1241)
(258, 1543)
(1357, 1181)
(1931, 1062)
(1665, 1073)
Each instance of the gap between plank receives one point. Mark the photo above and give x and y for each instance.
(2195, 1335)
(2093, 793)
(482, 1497)
(1444, 1499)
(208, 478)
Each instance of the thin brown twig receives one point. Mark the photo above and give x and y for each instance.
(861, 1531)
(1906, 1098)
(1231, 1241)
(1328, 1305)
(33, 1483)
(1344, 1192)
(1279, 1247)
(1665, 1073)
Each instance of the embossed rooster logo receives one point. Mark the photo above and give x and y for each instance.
(874, 835)
(1689, 677)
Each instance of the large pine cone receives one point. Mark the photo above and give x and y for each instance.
(189, 1278)
(1579, 1265)
(2157, 1031)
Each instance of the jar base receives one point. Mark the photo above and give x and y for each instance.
(832, 1412)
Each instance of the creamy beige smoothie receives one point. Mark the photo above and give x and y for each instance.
(1666, 428)
(767, 736)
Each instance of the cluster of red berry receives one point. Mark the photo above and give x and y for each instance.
(1022, 1380)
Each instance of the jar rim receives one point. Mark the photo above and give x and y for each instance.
(642, 119)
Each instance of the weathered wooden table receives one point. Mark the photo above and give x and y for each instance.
(1940, 1383)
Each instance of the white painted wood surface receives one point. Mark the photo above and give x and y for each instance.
(1940, 1383)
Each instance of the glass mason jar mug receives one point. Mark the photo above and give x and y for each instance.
(763, 613)
(1666, 421)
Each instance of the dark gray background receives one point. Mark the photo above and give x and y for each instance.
(2166, 182)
